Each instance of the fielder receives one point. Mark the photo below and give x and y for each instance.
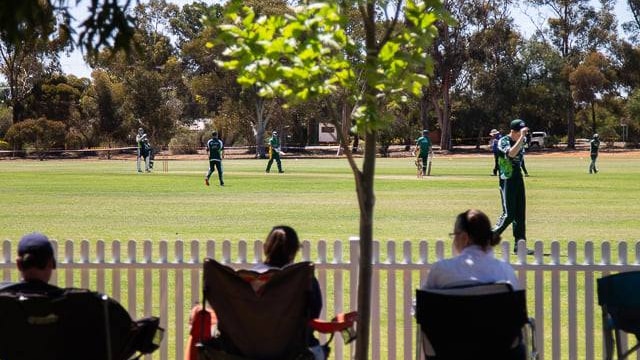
(423, 149)
(215, 148)
(512, 192)
(594, 146)
(274, 152)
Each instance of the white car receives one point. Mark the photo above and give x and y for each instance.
(537, 140)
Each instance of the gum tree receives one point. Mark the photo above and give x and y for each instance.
(310, 55)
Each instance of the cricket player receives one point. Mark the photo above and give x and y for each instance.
(215, 148)
(423, 149)
(274, 152)
(594, 146)
(512, 192)
(142, 142)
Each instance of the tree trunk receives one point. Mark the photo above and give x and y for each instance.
(259, 128)
(593, 117)
(424, 109)
(366, 200)
(571, 127)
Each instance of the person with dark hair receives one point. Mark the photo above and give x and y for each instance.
(36, 263)
(473, 241)
(280, 249)
(215, 148)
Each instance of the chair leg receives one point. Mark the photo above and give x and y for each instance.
(607, 334)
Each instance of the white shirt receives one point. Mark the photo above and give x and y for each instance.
(473, 265)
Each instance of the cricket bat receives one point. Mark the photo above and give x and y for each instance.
(429, 166)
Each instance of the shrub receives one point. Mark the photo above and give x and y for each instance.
(4, 145)
(184, 142)
(42, 134)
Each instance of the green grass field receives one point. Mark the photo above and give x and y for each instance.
(107, 199)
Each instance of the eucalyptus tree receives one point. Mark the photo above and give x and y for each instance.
(576, 28)
(591, 79)
(492, 77)
(106, 25)
(304, 56)
(28, 56)
(150, 74)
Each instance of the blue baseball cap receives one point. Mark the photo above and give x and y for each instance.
(36, 244)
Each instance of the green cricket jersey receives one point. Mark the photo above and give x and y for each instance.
(215, 147)
(508, 166)
(425, 145)
(594, 145)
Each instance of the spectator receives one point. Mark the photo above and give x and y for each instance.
(473, 242)
(36, 263)
(280, 249)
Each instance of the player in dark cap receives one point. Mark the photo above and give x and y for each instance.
(514, 204)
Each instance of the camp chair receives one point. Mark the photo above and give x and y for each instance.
(619, 297)
(71, 324)
(261, 316)
(474, 322)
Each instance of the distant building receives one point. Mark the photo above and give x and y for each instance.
(327, 133)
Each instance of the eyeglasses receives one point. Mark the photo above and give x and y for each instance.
(453, 234)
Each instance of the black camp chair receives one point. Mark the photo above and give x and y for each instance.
(263, 316)
(71, 324)
(619, 297)
(474, 322)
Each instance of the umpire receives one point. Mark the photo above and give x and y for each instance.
(512, 192)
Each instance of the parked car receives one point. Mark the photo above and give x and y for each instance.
(538, 140)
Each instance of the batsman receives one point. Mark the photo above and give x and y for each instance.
(423, 149)
(274, 152)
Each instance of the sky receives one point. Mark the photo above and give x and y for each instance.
(75, 64)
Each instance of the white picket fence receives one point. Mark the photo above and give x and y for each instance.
(166, 281)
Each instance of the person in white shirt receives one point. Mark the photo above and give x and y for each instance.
(473, 241)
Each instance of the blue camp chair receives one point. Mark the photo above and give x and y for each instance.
(619, 297)
(486, 321)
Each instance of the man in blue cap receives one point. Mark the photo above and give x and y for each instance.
(36, 262)
(512, 192)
